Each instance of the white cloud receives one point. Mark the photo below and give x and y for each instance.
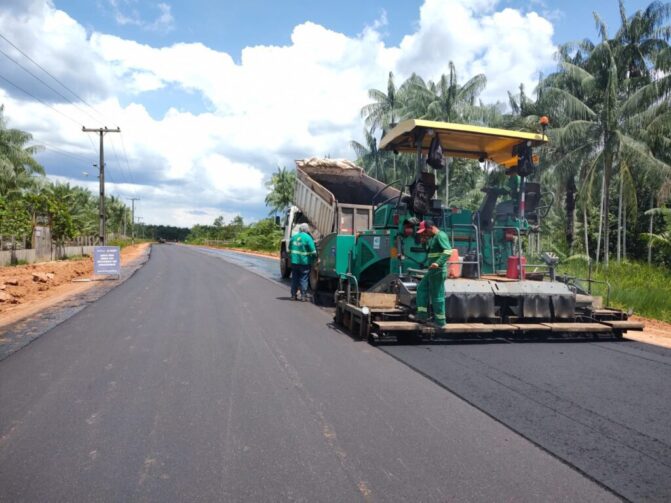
(277, 104)
(508, 46)
(126, 14)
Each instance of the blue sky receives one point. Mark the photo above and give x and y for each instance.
(232, 25)
(212, 95)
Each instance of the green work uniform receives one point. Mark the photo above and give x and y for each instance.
(432, 286)
(302, 249)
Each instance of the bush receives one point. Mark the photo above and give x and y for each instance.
(643, 288)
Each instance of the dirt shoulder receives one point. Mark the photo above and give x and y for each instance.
(28, 289)
(655, 332)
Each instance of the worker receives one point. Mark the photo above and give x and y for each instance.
(303, 252)
(431, 288)
(408, 228)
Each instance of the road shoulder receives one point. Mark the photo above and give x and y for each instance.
(24, 323)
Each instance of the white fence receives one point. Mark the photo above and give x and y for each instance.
(28, 256)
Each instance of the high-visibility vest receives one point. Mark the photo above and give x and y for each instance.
(302, 249)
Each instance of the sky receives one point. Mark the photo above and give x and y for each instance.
(212, 96)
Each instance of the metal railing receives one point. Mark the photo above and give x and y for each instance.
(477, 245)
(349, 277)
(590, 281)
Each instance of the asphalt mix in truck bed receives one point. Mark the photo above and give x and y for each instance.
(604, 408)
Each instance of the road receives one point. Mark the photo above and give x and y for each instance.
(197, 380)
(603, 408)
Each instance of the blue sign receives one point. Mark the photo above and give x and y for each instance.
(107, 260)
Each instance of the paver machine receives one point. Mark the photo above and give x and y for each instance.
(493, 292)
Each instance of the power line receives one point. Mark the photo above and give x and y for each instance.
(50, 75)
(119, 165)
(92, 145)
(123, 146)
(58, 150)
(45, 84)
(38, 99)
(128, 176)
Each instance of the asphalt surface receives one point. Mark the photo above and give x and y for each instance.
(23, 332)
(197, 380)
(604, 408)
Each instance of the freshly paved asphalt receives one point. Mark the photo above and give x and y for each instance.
(604, 408)
(197, 380)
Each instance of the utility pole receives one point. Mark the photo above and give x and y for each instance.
(101, 167)
(132, 219)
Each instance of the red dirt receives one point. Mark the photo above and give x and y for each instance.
(656, 332)
(31, 295)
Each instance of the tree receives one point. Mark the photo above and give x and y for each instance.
(281, 185)
(17, 164)
(661, 240)
(15, 218)
(383, 111)
(370, 157)
(598, 118)
(639, 41)
(452, 102)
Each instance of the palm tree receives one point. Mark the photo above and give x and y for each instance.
(663, 239)
(599, 118)
(281, 185)
(382, 113)
(369, 156)
(17, 164)
(454, 102)
(640, 39)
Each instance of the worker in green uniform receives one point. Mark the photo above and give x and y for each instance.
(431, 288)
(303, 252)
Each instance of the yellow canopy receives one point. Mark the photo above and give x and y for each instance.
(461, 140)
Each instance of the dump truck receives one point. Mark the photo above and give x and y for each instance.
(497, 292)
(336, 198)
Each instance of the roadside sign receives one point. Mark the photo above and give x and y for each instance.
(107, 260)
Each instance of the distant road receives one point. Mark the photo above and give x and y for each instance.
(197, 380)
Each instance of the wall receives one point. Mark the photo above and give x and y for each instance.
(30, 257)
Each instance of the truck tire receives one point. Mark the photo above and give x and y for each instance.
(285, 268)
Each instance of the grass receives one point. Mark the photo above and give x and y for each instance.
(18, 263)
(76, 257)
(122, 243)
(633, 285)
(249, 246)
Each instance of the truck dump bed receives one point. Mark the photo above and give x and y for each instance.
(335, 195)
